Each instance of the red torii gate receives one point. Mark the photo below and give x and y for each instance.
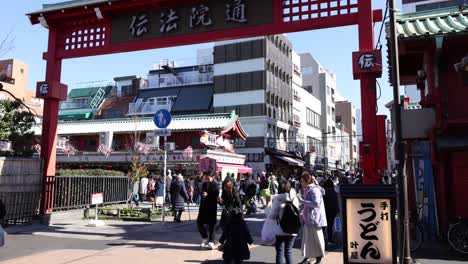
(97, 27)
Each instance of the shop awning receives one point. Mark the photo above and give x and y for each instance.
(240, 168)
(87, 115)
(291, 161)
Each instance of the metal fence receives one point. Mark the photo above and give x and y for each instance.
(75, 191)
(21, 207)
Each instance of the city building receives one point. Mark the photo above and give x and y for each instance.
(412, 6)
(346, 115)
(254, 77)
(17, 73)
(84, 103)
(182, 90)
(321, 82)
(306, 119)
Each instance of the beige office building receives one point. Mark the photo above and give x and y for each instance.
(18, 71)
(346, 114)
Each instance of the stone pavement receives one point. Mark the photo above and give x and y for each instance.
(125, 242)
(71, 241)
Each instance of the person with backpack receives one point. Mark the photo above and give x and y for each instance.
(287, 218)
(314, 219)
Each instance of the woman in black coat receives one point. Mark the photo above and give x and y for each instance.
(235, 239)
(178, 197)
(332, 208)
(208, 211)
(230, 200)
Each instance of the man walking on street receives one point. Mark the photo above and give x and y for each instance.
(208, 211)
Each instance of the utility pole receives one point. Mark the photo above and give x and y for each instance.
(403, 217)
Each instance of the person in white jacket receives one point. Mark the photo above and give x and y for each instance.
(284, 241)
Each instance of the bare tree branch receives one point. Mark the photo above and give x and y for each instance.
(30, 110)
(6, 44)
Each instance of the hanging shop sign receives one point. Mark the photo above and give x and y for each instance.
(207, 164)
(369, 223)
(365, 62)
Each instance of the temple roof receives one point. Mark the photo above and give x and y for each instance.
(222, 122)
(431, 23)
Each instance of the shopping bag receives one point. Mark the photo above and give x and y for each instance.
(269, 231)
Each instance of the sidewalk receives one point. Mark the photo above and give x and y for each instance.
(126, 242)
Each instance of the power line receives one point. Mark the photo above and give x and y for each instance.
(378, 45)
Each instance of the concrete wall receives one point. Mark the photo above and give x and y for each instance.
(20, 175)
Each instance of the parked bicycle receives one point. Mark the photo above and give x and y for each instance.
(416, 229)
(458, 236)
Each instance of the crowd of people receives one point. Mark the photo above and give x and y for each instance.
(299, 202)
(291, 204)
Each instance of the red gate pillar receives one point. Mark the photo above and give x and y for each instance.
(51, 97)
(368, 97)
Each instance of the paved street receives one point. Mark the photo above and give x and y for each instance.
(125, 242)
(70, 241)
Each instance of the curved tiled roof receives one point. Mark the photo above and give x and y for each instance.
(179, 123)
(438, 22)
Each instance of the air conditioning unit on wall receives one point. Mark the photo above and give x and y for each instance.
(170, 146)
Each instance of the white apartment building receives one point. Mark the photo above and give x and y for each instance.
(321, 82)
(306, 115)
(412, 6)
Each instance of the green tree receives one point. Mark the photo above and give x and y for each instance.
(15, 126)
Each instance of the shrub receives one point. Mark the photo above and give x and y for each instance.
(89, 172)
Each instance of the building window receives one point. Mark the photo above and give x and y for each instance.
(354, 148)
(354, 120)
(314, 145)
(313, 119)
(116, 113)
(332, 91)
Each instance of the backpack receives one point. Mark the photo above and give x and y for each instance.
(290, 220)
(2, 210)
(251, 189)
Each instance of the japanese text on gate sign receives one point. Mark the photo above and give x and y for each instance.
(205, 16)
(97, 198)
(369, 228)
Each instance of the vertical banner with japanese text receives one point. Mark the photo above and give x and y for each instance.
(369, 224)
(369, 230)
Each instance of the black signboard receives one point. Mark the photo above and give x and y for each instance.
(205, 16)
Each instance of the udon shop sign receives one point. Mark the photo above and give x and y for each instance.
(176, 19)
(369, 224)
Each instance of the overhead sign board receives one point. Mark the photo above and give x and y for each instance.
(176, 20)
(162, 118)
